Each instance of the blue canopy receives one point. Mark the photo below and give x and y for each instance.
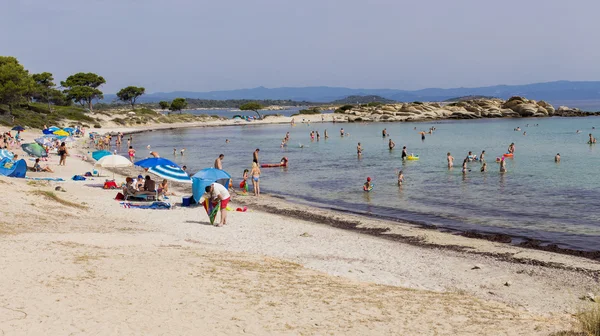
(153, 162)
(206, 177)
(97, 155)
(53, 129)
(69, 129)
(171, 173)
(6, 154)
(47, 131)
(12, 168)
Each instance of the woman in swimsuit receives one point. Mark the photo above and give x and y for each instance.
(255, 178)
(62, 151)
(131, 153)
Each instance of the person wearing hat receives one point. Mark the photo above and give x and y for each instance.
(217, 191)
(368, 185)
(139, 183)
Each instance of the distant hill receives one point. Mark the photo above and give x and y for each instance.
(553, 92)
(362, 100)
(463, 98)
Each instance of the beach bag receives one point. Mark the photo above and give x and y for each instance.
(87, 174)
(78, 178)
(120, 197)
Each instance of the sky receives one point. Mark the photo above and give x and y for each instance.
(198, 45)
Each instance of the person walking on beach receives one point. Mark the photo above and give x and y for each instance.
(255, 156)
(62, 151)
(131, 153)
(218, 192)
(255, 173)
(450, 160)
(391, 144)
(219, 162)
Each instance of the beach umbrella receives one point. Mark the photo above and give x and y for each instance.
(114, 161)
(61, 133)
(18, 128)
(97, 155)
(212, 174)
(5, 154)
(44, 141)
(153, 162)
(172, 173)
(34, 149)
(53, 128)
(47, 132)
(69, 129)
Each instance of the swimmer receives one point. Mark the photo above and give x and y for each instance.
(423, 136)
(400, 178)
(384, 133)
(325, 134)
(226, 140)
(592, 139)
(174, 151)
(450, 160)
(342, 132)
(368, 185)
(154, 154)
(482, 156)
(147, 147)
(484, 167)
(182, 151)
(391, 144)
(464, 166)
(318, 136)
(557, 158)
(359, 149)
(525, 133)
(578, 131)
(404, 153)
(470, 156)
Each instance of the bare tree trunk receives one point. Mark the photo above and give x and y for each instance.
(90, 105)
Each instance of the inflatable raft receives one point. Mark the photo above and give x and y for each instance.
(283, 163)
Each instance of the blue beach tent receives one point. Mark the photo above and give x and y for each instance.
(12, 168)
(206, 177)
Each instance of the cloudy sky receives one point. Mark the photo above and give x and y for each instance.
(198, 45)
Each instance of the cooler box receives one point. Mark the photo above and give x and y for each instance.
(187, 201)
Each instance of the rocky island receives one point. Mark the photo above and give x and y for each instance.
(515, 107)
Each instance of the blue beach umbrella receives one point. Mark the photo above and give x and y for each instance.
(53, 128)
(172, 173)
(153, 162)
(206, 177)
(5, 154)
(97, 155)
(18, 128)
(69, 129)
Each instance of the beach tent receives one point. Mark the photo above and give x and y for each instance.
(206, 177)
(6, 154)
(171, 173)
(69, 129)
(12, 168)
(53, 128)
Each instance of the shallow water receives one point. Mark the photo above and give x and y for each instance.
(536, 198)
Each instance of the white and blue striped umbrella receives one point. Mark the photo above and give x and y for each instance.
(171, 173)
(5, 154)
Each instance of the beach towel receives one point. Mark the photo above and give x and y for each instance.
(78, 178)
(212, 209)
(154, 205)
(45, 178)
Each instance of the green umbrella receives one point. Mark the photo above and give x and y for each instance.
(34, 149)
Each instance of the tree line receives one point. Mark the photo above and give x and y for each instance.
(18, 86)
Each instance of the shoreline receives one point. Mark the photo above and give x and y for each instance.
(263, 269)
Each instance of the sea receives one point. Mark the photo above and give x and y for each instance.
(556, 203)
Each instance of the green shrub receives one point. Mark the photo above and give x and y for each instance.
(314, 110)
(373, 104)
(417, 103)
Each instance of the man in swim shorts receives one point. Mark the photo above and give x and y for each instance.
(219, 192)
(255, 156)
(404, 153)
(219, 161)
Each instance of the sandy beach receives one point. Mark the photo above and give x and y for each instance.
(78, 262)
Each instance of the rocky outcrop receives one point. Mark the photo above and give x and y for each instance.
(515, 107)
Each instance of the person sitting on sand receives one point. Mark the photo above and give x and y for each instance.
(130, 190)
(557, 158)
(450, 160)
(163, 189)
(484, 167)
(38, 168)
(219, 162)
(391, 144)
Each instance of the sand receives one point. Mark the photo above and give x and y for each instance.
(79, 263)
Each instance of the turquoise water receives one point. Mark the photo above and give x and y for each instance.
(536, 198)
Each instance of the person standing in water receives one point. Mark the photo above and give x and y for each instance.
(423, 136)
(592, 139)
(400, 178)
(219, 162)
(557, 158)
(450, 160)
(482, 156)
(255, 173)
(255, 156)
(503, 165)
(464, 166)
(342, 132)
(318, 136)
(511, 148)
(484, 167)
(384, 133)
(359, 149)
(326, 135)
(391, 144)
(404, 153)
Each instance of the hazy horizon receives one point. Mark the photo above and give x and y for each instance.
(210, 46)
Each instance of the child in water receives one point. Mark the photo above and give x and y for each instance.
(244, 181)
(450, 160)
(400, 178)
(484, 167)
(368, 185)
